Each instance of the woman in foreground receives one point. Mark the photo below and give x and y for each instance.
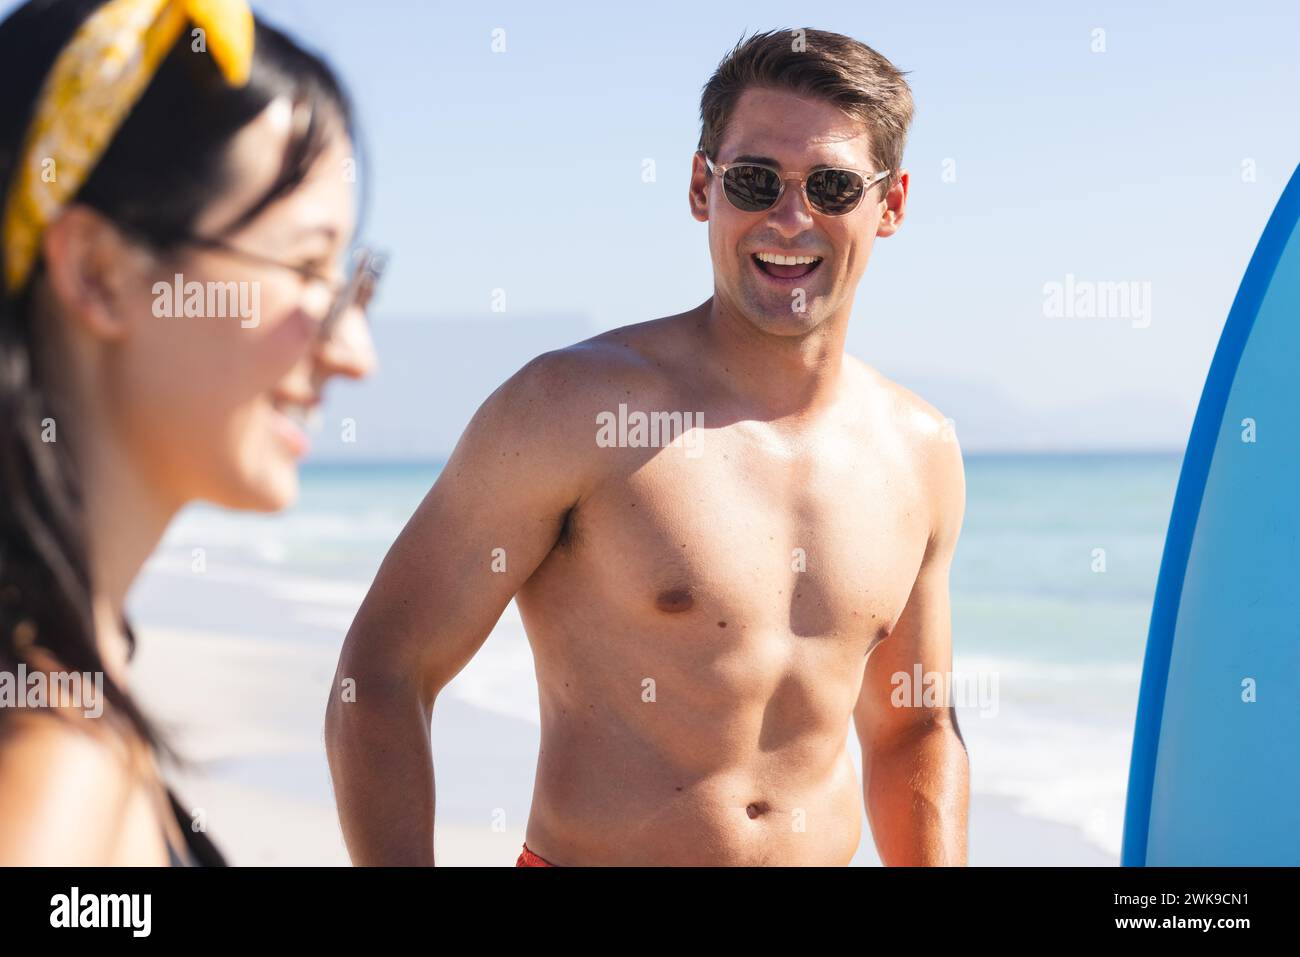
(177, 209)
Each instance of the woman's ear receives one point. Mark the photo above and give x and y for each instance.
(87, 265)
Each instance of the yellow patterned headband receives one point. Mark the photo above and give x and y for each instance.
(92, 87)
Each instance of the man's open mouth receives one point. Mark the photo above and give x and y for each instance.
(780, 266)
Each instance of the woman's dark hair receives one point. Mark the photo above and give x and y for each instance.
(164, 165)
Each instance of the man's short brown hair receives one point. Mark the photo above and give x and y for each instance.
(814, 63)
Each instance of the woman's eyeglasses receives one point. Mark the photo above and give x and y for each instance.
(755, 187)
(355, 293)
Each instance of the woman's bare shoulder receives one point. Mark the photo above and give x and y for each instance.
(71, 793)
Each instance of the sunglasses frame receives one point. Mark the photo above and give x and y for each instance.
(367, 270)
(869, 179)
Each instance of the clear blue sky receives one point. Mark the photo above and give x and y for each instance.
(1117, 166)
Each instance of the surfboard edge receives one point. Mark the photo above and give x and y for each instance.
(1186, 509)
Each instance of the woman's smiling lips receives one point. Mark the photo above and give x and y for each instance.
(290, 418)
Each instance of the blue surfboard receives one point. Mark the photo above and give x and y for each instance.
(1215, 772)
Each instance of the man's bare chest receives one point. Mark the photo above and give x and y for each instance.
(814, 545)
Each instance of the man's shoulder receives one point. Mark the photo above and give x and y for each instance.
(628, 364)
(925, 438)
(909, 417)
(550, 410)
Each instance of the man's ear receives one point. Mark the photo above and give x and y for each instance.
(87, 265)
(895, 205)
(699, 193)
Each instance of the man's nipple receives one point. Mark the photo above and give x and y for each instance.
(674, 600)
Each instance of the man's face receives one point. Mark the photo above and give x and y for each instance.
(796, 134)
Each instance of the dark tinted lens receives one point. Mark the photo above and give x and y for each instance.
(834, 191)
(751, 188)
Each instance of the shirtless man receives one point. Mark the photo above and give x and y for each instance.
(705, 615)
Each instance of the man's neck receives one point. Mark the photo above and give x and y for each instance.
(777, 376)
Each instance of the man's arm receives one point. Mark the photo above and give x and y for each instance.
(915, 771)
(488, 522)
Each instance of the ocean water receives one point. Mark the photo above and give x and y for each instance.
(1051, 586)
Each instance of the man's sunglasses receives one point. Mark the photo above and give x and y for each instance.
(367, 269)
(755, 187)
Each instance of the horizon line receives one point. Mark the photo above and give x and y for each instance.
(440, 460)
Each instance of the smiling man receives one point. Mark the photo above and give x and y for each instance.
(708, 610)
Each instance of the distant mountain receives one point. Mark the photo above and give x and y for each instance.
(434, 373)
(987, 419)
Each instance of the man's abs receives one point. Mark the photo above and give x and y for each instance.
(604, 796)
(700, 632)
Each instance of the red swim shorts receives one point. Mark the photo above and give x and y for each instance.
(529, 859)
